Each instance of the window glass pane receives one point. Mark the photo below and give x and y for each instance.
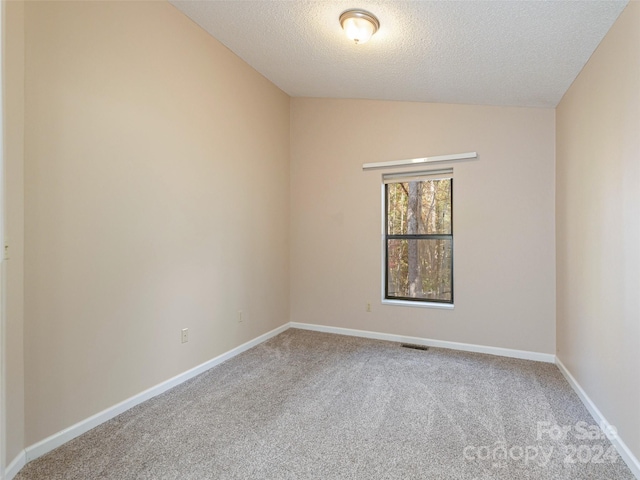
(421, 269)
(419, 207)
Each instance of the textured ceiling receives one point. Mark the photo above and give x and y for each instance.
(516, 52)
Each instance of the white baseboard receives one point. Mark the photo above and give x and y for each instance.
(57, 439)
(15, 466)
(624, 452)
(466, 347)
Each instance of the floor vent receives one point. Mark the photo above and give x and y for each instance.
(415, 347)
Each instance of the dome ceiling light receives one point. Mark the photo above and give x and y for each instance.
(359, 25)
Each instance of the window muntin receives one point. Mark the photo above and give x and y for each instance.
(419, 240)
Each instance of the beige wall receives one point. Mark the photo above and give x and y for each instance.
(598, 227)
(158, 188)
(13, 73)
(156, 185)
(504, 260)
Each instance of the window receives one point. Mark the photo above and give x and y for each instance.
(418, 238)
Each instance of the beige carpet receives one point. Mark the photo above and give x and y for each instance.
(308, 405)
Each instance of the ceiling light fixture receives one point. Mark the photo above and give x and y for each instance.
(359, 25)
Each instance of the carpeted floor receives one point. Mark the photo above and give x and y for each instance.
(308, 405)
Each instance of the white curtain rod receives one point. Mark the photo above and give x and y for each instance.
(418, 161)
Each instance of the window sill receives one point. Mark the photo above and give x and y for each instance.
(407, 303)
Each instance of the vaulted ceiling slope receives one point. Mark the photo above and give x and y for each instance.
(514, 52)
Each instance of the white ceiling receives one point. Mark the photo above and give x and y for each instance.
(515, 52)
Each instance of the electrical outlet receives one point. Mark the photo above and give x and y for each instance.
(185, 335)
(240, 316)
(368, 307)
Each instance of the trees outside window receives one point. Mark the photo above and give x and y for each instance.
(419, 240)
